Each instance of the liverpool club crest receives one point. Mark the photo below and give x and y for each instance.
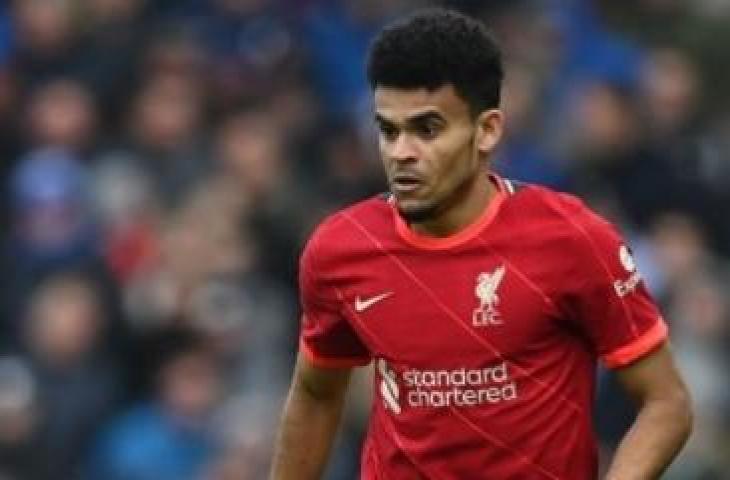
(486, 291)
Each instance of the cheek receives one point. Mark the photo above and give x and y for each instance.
(382, 147)
(384, 151)
(454, 161)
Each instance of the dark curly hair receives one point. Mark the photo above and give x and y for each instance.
(435, 47)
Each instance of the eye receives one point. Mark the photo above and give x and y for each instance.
(387, 131)
(428, 129)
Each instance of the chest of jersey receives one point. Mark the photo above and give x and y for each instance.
(410, 307)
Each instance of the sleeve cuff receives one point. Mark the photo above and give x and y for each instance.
(642, 345)
(330, 362)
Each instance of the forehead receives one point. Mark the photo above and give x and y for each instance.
(397, 104)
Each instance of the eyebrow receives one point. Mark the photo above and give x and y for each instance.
(425, 117)
(381, 119)
(417, 118)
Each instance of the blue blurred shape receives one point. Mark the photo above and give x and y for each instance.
(47, 176)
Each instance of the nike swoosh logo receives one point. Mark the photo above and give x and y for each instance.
(362, 304)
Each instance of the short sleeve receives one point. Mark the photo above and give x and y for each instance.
(327, 338)
(607, 297)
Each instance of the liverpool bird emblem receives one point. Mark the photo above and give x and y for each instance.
(486, 291)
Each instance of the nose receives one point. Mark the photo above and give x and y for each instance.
(403, 149)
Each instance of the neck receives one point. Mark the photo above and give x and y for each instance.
(462, 210)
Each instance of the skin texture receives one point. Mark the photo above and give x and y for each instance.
(664, 421)
(311, 416)
(431, 139)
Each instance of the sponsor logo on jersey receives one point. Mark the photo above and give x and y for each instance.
(627, 260)
(460, 387)
(362, 304)
(389, 387)
(625, 287)
(486, 292)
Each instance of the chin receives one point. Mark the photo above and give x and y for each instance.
(416, 213)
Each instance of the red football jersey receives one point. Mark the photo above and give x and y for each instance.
(485, 343)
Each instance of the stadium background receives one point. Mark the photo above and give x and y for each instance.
(162, 162)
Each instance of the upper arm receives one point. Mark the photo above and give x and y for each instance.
(653, 377)
(327, 337)
(605, 294)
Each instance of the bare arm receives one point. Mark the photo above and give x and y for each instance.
(664, 421)
(310, 420)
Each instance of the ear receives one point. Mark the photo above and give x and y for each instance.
(490, 125)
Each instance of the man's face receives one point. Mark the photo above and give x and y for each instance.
(428, 144)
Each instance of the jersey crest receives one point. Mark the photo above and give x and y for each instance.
(486, 292)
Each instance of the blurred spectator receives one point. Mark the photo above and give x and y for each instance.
(702, 324)
(244, 318)
(609, 155)
(350, 168)
(246, 424)
(61, 114)
(10, 103)
(129, 215)
(78, 385)
(522, 153)
(51, 217)
(252, 155)
(112, 37)
(5, 35)
(18, 419)
(337, 35)
(251, 47)
(670, 84)
(166, 140)
(45, 40)
(166, 436)
(200, 240)
(172, 51)
(52, 228)
(675, 130)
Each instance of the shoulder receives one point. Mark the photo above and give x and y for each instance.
(345, 229)
(367, 213)
(544, 201)
(561, 223)
(547, 207)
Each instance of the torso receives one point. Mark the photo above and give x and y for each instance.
(479, 374)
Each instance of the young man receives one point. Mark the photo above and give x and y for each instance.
(483, 304)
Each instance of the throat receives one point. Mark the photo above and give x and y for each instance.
(464, 208)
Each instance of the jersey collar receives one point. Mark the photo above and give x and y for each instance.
(462, 236)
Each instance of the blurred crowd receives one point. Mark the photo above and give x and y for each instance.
(163, 161)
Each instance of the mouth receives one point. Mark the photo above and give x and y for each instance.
(405, 183)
